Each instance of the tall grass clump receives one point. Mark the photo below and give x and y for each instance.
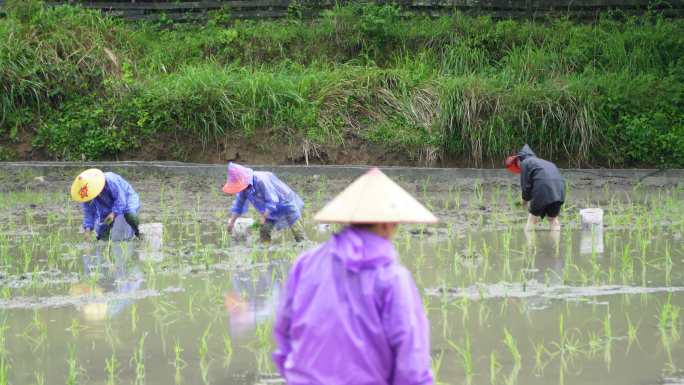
(482, 117)
(48, 55)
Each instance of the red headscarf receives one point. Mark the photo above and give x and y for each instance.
(513, 164)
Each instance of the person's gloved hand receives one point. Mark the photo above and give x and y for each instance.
(109, 219)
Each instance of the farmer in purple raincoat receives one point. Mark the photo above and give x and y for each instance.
(279, 206)
(350, 313)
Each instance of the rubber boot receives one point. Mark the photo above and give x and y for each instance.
(133, 220)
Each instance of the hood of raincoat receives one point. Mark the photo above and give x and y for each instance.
(360, 249)
(238, 178)
(526, 152)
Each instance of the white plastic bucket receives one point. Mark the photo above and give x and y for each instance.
(243, 226)
(591, 218)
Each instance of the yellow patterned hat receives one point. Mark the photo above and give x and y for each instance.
(88, 185)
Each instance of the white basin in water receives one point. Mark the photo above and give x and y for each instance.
(592, 231)
(242, 228)
(591, 218)
(243, 225)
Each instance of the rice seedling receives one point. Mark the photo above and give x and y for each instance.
(666, 342)
(512, 346)
(204, 369)
(138, 360)
(608, 353)
(456, 197)
(73, 369)
(112, 369)
(512, 377)
(134, 318)
(607, 327)
(483, 313)
(494, 367)
(5, 365)
(463, 305)
(203, 344)
(539, 362)
(436, 364)
(39, 379)
(668, 319)
(263, 334)
(668, 264)
(627, 264)
(111, 336)
(35, 332)
(75, 328)
(178, 363)
(632, 332)
(465, 353)
(227, 350)
(568, 344)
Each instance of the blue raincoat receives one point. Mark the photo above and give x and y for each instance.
(117, 197)
(267, 192)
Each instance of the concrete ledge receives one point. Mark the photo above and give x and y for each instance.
(456, 176)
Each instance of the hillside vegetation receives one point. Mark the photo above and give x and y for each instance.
(404, 88)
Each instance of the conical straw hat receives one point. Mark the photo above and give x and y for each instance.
(87, 185)
(374, 198)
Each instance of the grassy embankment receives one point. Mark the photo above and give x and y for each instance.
(458, 89)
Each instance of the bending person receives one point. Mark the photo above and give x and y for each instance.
(104, 196)
(279, 206)
(350, 312)
(543, 187)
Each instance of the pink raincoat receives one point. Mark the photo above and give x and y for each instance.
(351, 314)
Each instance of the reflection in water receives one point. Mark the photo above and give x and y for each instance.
(110, 271)
(592, 241)
(253, 298)
(153, 237)
(545, 249)
(674, 379)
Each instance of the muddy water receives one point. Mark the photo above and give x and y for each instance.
(505, 306)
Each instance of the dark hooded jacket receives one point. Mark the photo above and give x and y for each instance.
(540, 180)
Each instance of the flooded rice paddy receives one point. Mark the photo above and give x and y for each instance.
(196, 305)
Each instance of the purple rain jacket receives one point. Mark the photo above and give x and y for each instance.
(351, 314)
(267, 192)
